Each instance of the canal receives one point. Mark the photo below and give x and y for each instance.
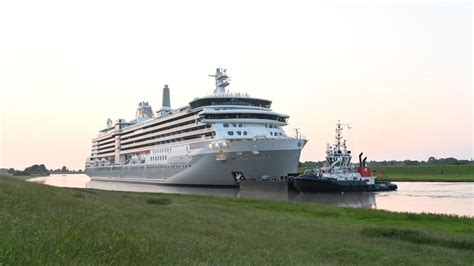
(416, 197)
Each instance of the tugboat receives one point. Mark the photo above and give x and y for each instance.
(338, 173)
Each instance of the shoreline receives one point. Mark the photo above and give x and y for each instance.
(99, 227)
(39, 180)
(431, 199)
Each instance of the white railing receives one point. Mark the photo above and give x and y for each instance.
(228, 94)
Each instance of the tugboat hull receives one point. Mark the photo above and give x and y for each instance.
(326, 185)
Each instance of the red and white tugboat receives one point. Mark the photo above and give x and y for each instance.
(339, 174)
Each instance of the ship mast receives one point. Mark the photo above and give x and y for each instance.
(338, 156)
(222, 80)
(339, 128)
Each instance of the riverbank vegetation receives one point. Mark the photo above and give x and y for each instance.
(446, 173)
(432, 161)
(34, 170)
(38, 170)
(49, 225)
(425, 173)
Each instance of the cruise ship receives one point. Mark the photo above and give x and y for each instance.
(219, 139)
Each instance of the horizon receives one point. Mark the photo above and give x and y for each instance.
(400, 74)
(315, 161)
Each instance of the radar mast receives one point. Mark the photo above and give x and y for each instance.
(222, 80)
(339, 137)
(338, 156)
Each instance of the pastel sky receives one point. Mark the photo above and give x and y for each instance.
(400, 73)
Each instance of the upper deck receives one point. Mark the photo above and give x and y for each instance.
(233, 99)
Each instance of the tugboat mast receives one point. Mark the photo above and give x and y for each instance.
(338, 156)
(339, 128)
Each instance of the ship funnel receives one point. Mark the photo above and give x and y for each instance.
(166, 98)
(360, 159)
(364, 164)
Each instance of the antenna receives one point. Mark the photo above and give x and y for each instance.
(222, 80)
(297, 132)
(339, 128)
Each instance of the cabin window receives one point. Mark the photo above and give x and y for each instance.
(240, 125)
(239, 133)
(234, 125)
(226, 125)
(230, 133)
(245, 133)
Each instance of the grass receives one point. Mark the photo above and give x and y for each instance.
(161, 201)
(49, 225)
(446, 173)
(418, 237)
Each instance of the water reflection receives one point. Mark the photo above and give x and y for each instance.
(434, 197)
(119, 186)
(353, 200)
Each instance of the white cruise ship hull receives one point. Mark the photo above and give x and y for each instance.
(250, 159)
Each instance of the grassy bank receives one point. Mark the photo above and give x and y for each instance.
(41, 224)
(446, 173)
(449, 173)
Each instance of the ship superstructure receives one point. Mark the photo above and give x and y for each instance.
(338, 164)
(218, 139)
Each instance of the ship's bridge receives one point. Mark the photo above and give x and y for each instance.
(235, 99)
(222, 97)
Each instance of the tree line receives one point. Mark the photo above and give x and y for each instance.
(430, 161)
(38, 170)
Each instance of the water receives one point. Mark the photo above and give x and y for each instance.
(416, 197)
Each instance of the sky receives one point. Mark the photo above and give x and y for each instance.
(399, 73)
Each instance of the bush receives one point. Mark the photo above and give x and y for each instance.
(20, 173)
(161, 201)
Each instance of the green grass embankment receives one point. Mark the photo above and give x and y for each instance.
(446, 173)
(49, 225)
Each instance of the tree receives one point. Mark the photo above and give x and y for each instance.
(431, 160)
(37, 170)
